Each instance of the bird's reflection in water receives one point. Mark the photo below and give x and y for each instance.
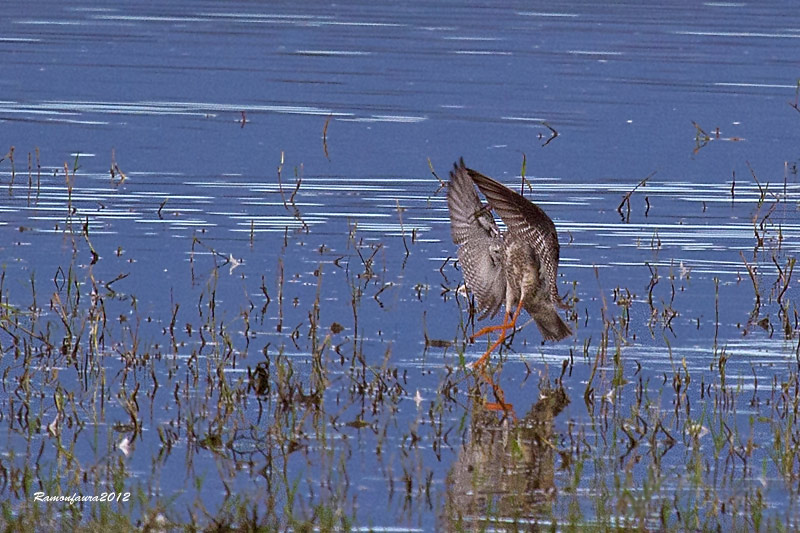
(505, 472)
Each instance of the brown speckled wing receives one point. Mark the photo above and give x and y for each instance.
(527, 221)
(480, 246)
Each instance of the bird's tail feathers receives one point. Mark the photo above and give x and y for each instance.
(551, 325)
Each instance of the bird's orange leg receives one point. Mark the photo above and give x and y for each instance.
(504, 326)
(503, 329)
(489, 329)
(513, 323)
(485, 357)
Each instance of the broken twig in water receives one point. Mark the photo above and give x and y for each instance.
(325, 136)
(751, 270)
(701, 138)
(160, 207)
(280, 183)
(402, 229)
(552, 130)
(626, 200)
(525, 181)
(442, 184)
(115, 171)
(796, 103)
(10, 157)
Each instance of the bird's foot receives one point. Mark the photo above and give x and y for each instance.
(507, 408)
(489, 329)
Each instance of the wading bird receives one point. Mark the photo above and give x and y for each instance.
(517, 268)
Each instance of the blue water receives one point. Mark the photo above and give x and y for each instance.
(201, 104)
